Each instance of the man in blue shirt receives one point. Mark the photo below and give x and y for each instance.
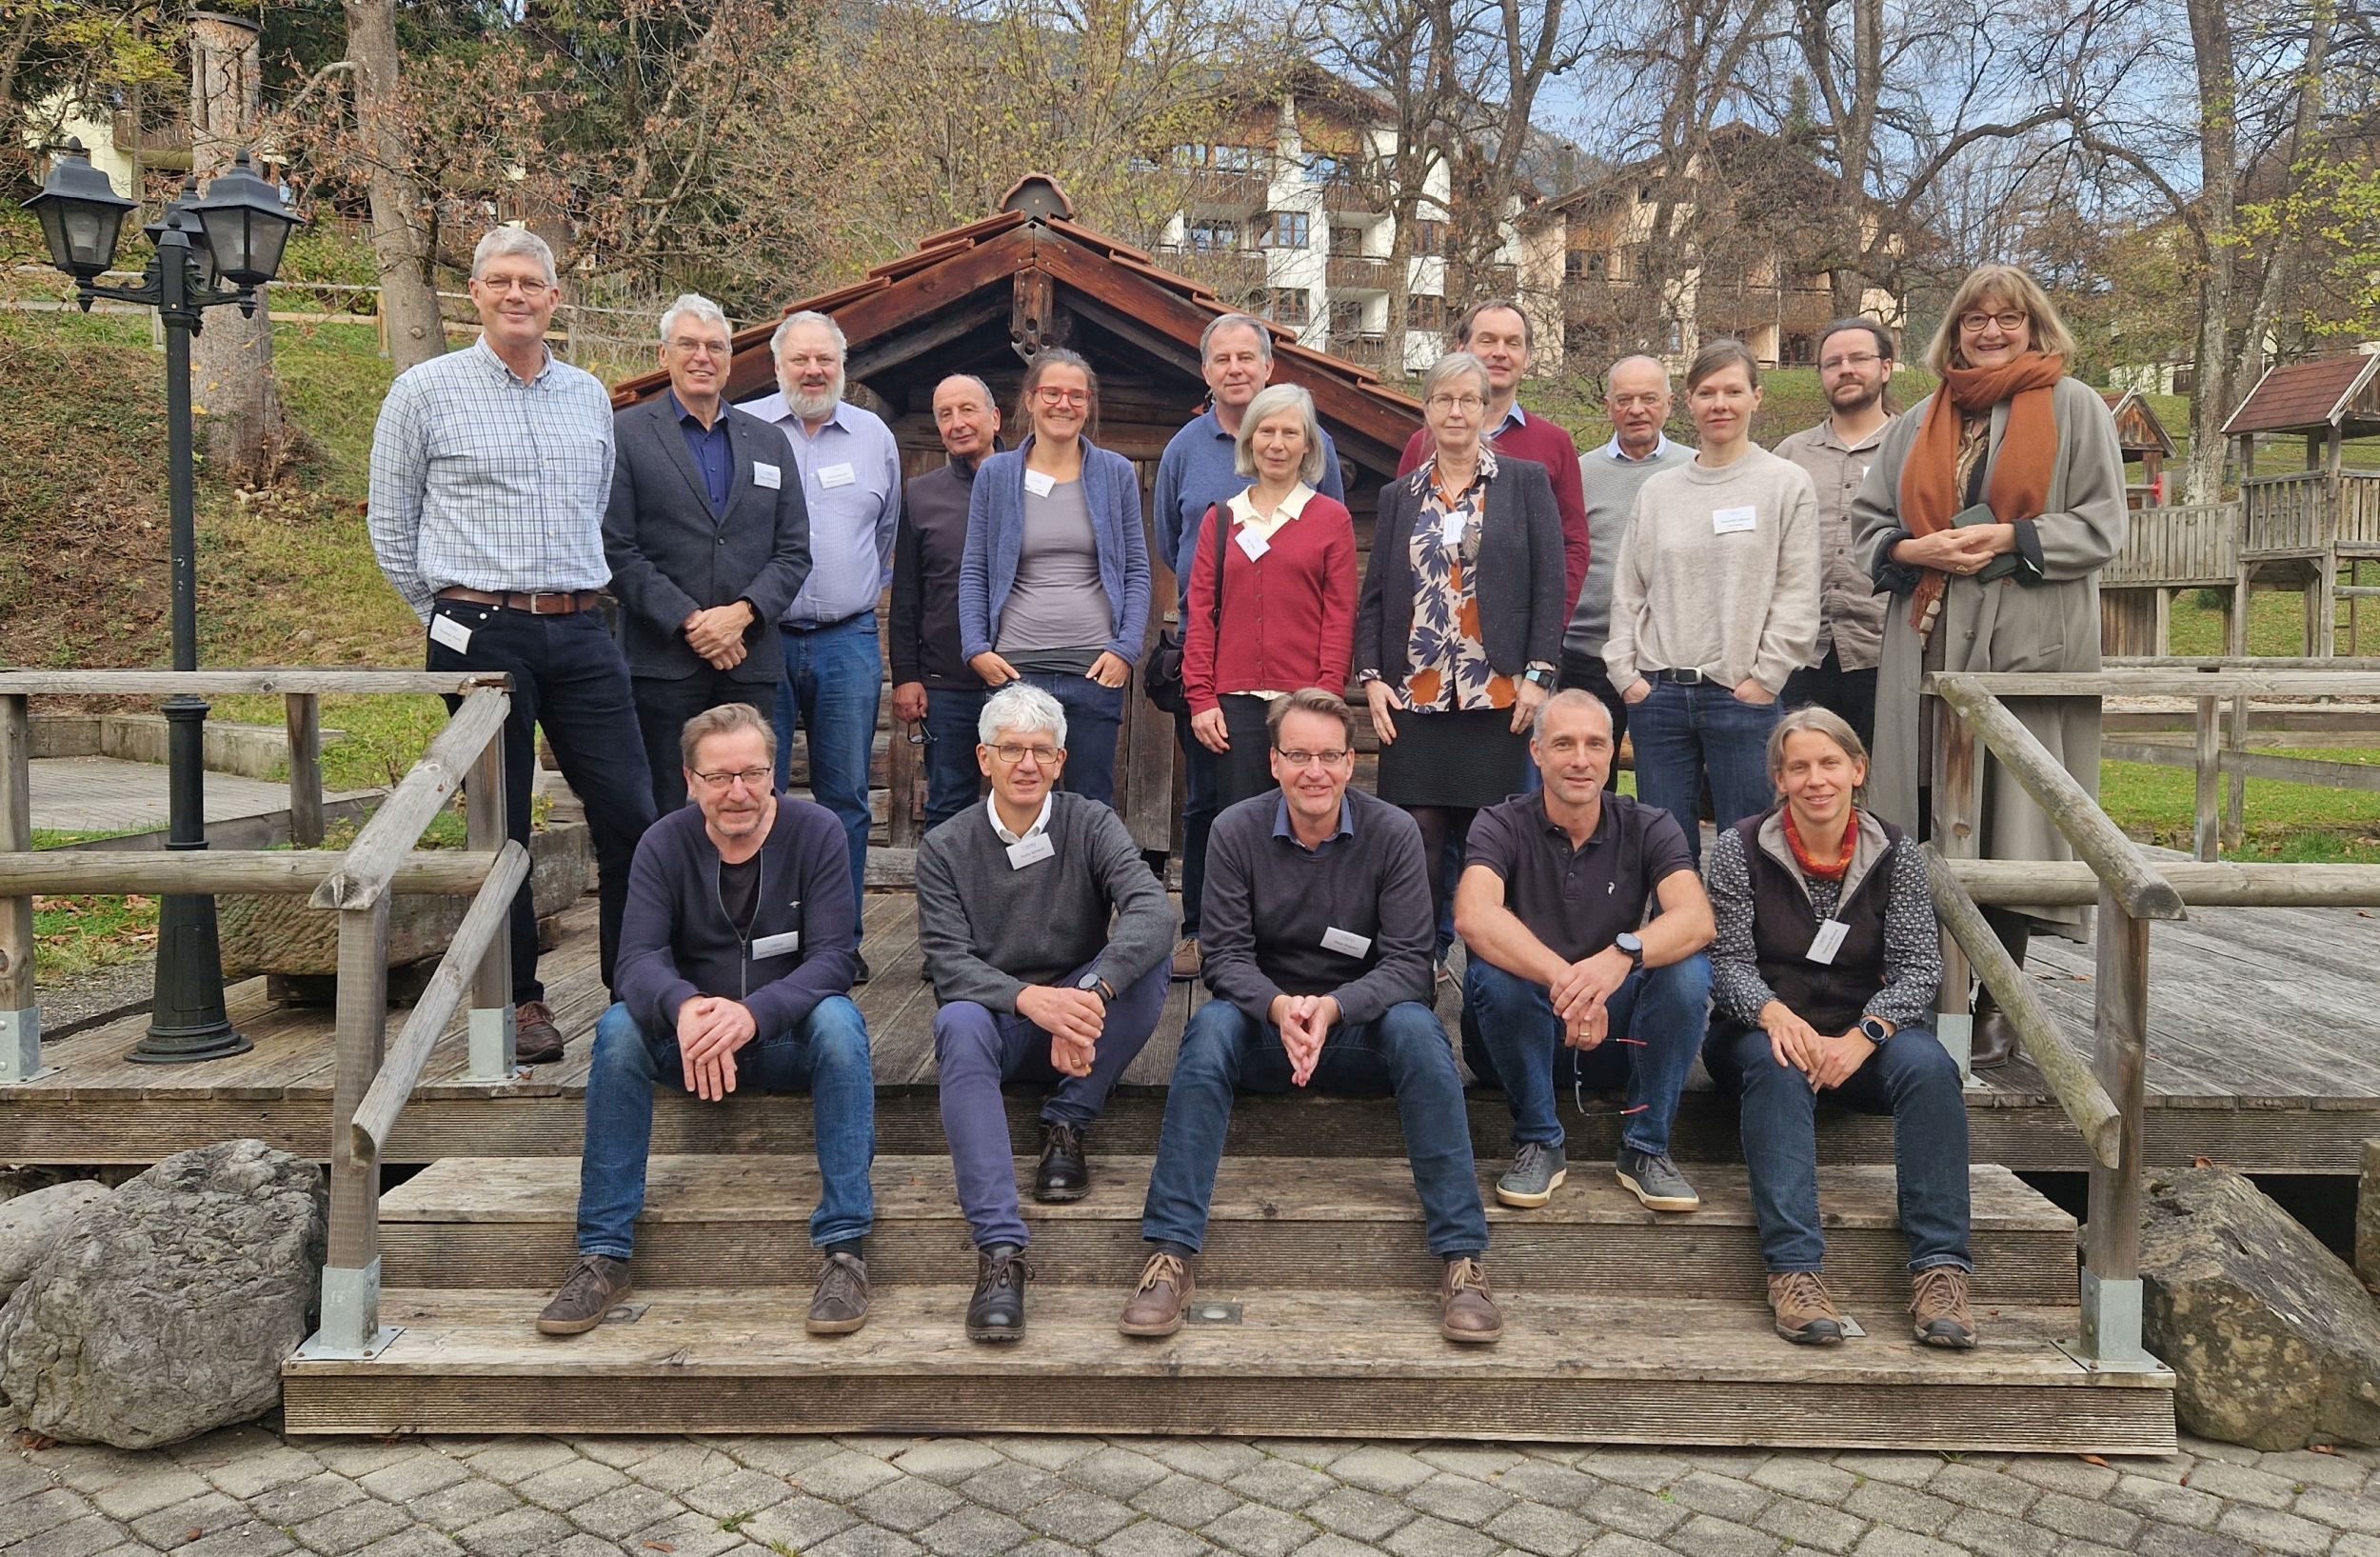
(850, 471)
(1199, 469)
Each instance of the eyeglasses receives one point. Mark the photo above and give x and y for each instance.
(1973, 323)
(687, 348)
(1050, 395)
(1858, 359)
(527, 287)
(1470, 404)
(918, 735)
(1331, 758)
(1638, 402)
(1012, 755)
(751, 778)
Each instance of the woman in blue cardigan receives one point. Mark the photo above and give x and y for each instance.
(1054, 584)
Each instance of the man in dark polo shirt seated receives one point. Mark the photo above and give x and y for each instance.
(1048, 942)
(1315, 934)
(1551, 907)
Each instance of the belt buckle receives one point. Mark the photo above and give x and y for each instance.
(536, 595)
(1689, 678)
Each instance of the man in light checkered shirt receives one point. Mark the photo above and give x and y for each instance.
(491, 466)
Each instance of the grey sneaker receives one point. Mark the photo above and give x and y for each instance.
(1656, 1181)
(840, 1304)
(595, 1285)
(1537, 1171)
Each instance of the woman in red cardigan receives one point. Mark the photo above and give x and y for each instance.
(1285, 559)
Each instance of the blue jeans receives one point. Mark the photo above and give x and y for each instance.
(954, 780)
(1095, 715)
(976, 1048)
(1511, 1038)
(1681, 734)
(825, 1057)
(833, 681)
(1913, 1079)
(1201, 800)
(1405, 1052)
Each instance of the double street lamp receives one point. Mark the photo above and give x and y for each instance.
(210, 249)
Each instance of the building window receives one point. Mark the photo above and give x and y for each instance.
(1288, 306)
(1574, 264)
(1285, 230)
(1211, 237)
(1425, 312)
(1428, 238)
(1346, 319)
(1329, 170)
(1347, 242)
(1676, 338)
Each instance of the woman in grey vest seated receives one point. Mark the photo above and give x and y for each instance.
(1822, 982)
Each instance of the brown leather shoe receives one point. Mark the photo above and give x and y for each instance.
(1937, 1305)
(839, 1305)
(535, 1039)
(1187, 962)
(1806, 1314)
(596, 1284)
(1155, 1307)
(1467, 1310)
(1994, 1041)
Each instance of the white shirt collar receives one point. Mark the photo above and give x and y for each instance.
(1243, 510)
(1660, 451)
(1040, 823)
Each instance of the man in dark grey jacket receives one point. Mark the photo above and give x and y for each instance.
(1046, 938)
(709, 539)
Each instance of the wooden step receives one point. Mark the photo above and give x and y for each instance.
(1339, 1223)
(1331, 1365)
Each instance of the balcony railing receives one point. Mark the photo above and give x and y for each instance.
(1234, 272)
(1468, 281)
(1356, 272)
(1230, 187)
(1364, 349)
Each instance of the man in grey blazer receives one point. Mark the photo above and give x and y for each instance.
(708, 540)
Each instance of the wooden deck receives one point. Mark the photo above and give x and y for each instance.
(2264, 1054)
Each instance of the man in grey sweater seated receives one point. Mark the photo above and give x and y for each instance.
(1315, 933)
(1047, 940)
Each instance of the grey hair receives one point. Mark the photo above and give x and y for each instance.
(1451, 365)
(1019, 708)
(1569, 697)
(981, 388)
(696, 306)
(1668, 387)
(1234, 321)
(1270, 400)
(724, 720)
(807, 316)
(499, 242)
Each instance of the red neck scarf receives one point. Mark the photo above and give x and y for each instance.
(1839, 870)
(2019, 488)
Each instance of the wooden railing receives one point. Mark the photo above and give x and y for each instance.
(372, 1083)
(2182, 546)
(2284, 513)
(2105, 1096)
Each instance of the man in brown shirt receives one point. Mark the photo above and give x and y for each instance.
(1854, 365)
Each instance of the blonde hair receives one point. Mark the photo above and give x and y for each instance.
(1812, 720)
(2010, 286)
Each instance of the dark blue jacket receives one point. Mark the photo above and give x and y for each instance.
(1111, 487)
(676, 941)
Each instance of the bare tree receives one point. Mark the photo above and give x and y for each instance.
(408, 298)
(231, 378)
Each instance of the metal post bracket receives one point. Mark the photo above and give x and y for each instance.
(20, 1047)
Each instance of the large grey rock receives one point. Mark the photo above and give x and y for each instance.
(2272, 1340)
(30, 1224)
(167, 1308)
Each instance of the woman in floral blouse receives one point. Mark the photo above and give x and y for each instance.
(1459, 626)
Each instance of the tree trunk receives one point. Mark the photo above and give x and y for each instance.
(2219, 164)
(408, 303)
(231, 380)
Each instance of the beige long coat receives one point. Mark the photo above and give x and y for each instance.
(2047, 621)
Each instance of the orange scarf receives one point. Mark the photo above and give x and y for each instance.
(2019, 488)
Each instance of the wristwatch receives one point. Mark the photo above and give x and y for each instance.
(1873, 1029)
(1631, 946)
(1542, 675)
(1098, 986)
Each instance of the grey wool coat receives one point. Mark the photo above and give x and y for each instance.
(2043, 617)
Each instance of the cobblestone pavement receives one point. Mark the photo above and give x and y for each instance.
(248, 1492)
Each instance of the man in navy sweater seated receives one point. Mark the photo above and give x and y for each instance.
(736, 958)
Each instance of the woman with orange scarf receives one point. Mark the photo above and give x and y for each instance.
(1987, 516)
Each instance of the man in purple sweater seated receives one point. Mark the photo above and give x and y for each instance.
(736, 958)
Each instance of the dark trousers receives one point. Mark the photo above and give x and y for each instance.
(954, 780)
(568, 677)
(1198, 807)
(663, 703)
(1586, 672)
(1851, 693)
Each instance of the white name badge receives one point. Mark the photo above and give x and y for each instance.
(446, 629)
(1040, 483)
(1735, 521)
(1032, 851)
(835, 475)
(1450, 530)
(1336, 939)
(768, 476)
(1829, 942)
(777, 946)
(1253, 544)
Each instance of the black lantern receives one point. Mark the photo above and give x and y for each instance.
(81, 214)
(184, 213)
(245, 224)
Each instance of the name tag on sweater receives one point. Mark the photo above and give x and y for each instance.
(1253, 544)
(1829, 942)
(1450, 528)
(777, 946)
(1031, 851)
(1040, 483)
(1336, 939)
(768, 476)
(835, 475)
(1735, 521)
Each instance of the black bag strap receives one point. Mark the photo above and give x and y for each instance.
(1219, 520)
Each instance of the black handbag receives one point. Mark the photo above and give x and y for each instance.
(1162, 682)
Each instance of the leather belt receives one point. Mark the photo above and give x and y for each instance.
(1683, 678)
(536, 602)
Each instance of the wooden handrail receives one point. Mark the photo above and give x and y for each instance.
(227, 683)
(449, 871)
(2116, 859)
(2201, 663)
(372, 861)
(2069, 1074)
(489, 916)
(2122, 682)
(2061, 884)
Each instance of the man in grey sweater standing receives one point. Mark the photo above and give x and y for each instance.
(1015, 904)
(1638, 398)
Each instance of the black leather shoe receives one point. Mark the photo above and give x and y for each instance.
(1064, 1174)
(997, 1310)
(1994, 1041)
